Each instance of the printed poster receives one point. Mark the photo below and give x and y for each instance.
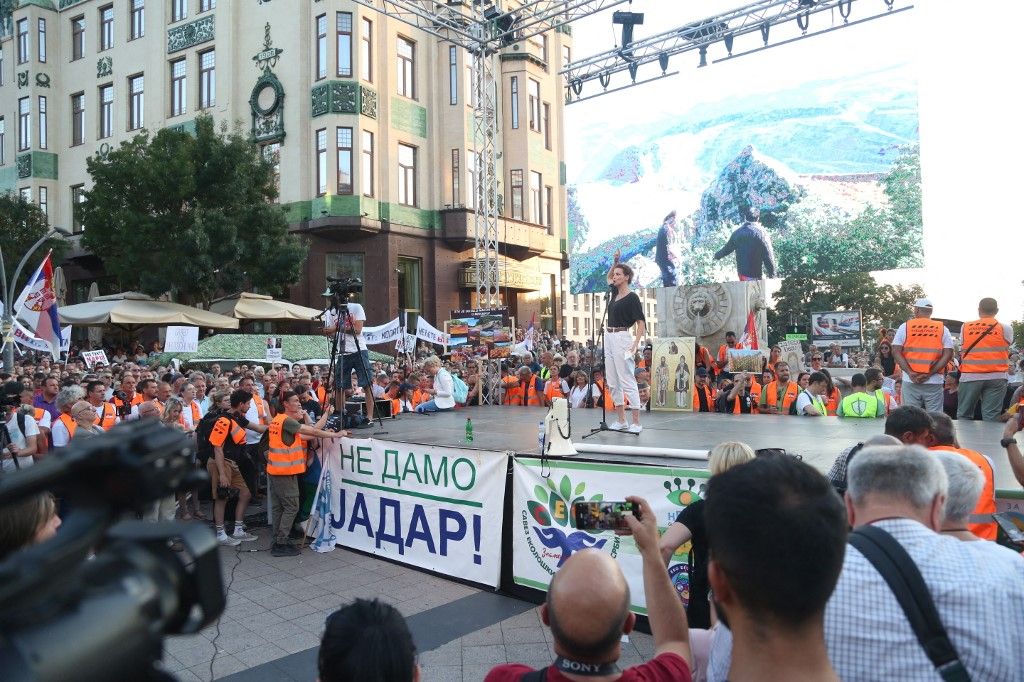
(672, 373)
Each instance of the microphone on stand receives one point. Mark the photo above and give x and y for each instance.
(612, 290)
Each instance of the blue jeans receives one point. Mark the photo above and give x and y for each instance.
(430, 406)
(359, 362)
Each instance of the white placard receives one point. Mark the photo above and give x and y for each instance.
(430, 333)
(274, 351)
(181, 340)
(94, 357)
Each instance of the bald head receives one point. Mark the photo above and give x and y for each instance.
(148, 409)
(588, 607)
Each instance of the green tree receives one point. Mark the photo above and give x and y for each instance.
(189, 214)
(881, 305)
(22, 223)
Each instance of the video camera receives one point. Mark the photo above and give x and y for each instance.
(63, 616)
(10, 395)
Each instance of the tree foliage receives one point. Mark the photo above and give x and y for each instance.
(22, 223)
(189, 214)
(881, 305)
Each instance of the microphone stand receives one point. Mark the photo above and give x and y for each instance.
(603, 425)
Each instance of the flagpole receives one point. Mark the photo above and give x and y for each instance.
(8, 321)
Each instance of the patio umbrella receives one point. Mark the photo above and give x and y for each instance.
(250, 306)
(131, 308)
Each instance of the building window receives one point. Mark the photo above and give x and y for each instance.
(3, 141)
(77, 197)
(106, 27)
(406, 175)
(321, 162)
(1, 65)
(534, 87)
(343, 265)
(576, 302)
(26, 193)
(77, 38)
(456, 181)
(566, 56)
(586, 326)
(546, 125)
(514, 101)
(178, 87)
(207, 5)
(343, 22)
(549, 195)
(473, 191)
(138, 19)
(41, 39)
(136, 85)
(367, 174)
(410, 287)
(344, 145)
(22, 41)
(24, 123)
(586, 305)
(544, 48)
(42, 122)
(575, 326)
(106, 111)
(453, 75)
(535, 204)
(179, 10)
(517, 194)
(77, 119)
(44, 203)
(321, 47)
(207, 79)
(272, 155)
(366, 56)
(406, 68)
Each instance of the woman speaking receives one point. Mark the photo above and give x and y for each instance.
(624, 313)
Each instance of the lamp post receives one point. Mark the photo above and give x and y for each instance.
(8, 317)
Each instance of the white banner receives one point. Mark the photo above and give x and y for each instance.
(544, 533)
(94, 357)
(29, 340)
(428, 332)
(385, 333)
(432, 507)
(181, 340)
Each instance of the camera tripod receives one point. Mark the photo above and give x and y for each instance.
(345, 321)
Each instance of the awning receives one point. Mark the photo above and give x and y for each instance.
(249, 306)
(132, 308)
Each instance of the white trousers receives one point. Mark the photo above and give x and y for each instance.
(618, 371)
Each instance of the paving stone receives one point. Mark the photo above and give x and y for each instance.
(445, 655)
(524, 635)
(273, 633)
(488, 635)
(529, 653)
(223, 665)
(194, 655)
(444, 673)
(488, 654)
(475, 673)
(261, 654)
(297, 643)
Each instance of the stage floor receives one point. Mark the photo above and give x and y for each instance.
(818, 441)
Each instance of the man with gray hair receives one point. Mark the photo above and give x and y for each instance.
(64, 426)
(902, 490)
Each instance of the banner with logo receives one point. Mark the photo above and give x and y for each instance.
(836, 326)
(431, 507)
(385, 333)
(544, 531)
(29, 340)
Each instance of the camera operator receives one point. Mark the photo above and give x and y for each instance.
(355, 357)
(20, 431)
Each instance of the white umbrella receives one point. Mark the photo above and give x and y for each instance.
(249, 306)
(131, 308)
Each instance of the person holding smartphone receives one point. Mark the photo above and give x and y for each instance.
(625, 313)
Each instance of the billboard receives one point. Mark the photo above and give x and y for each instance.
(836, 326)
(801, 161)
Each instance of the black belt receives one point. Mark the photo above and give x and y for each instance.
(617, 329)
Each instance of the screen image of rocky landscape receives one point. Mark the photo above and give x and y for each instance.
(832, 166)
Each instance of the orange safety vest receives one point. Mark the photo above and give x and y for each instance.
(196, 415)
(990, 353)
(226, 426)
(321, 394)
(987, 502)
(707, 394)
(41, 440)
(284, 460)
(136, 400)
(832, 404)
(69, 423)
(924, 344)
(109, 417)
(553, 388)
(396, 406)
(419, 397)
(531, 397)
(772, 391)
(261, 408)
(723, 350)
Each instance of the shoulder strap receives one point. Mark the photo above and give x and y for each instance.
(977, 340)
(535, 675)
(905, 580)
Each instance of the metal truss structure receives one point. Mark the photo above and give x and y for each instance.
(757, 17)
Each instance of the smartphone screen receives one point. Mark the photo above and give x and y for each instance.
(602, 515)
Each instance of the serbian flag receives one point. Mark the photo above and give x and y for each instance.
(749, 339)
(528, 337)
(37, 306)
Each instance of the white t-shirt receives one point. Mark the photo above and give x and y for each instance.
(802, 401)
(18, 440)
(578, 396)
(59, 435)
(356, 312)
(44, 422)
(947, 342)
(253, 415)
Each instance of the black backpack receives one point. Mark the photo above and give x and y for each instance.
(204, 449)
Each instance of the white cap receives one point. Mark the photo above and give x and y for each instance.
(923, 303)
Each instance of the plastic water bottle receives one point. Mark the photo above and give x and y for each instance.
(541, 435)
(469, 430)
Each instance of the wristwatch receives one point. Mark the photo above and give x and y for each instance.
(1007, 442)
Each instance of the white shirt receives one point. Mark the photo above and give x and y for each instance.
(947, 342)
(966, 377)
(59, 435)
(44, 422)
(186, 413)
(18, 440)
(356, 312)
(578, 396)
(978, 589)
(802, 401)
(443, 388)
(253, 415)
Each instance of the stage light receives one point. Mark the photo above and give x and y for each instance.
(576, 85)
(632, 71)
(844, 10)
(765, 28)
(604, 78)
(663, 62)
(728, 42)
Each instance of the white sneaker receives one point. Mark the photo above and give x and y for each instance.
(227, 541)
(635, 428)
(616, 426)
(243, 536)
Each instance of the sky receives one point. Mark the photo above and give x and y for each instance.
(968, 122)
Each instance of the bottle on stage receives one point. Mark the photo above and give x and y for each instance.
(469, 430)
